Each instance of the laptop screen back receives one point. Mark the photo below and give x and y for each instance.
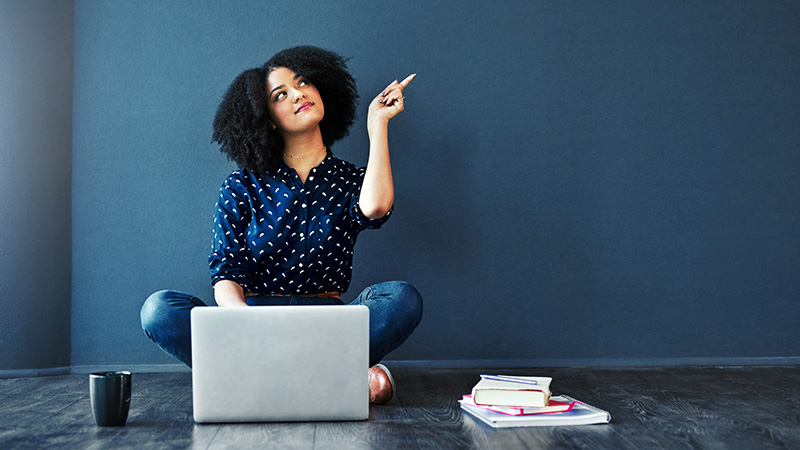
(280, 363)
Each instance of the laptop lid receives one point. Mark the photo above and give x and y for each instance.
(280, 363)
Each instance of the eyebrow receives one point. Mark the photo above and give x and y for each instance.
(296, 76)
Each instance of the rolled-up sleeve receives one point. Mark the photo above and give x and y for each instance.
(230, 256)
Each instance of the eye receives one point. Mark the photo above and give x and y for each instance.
(279, 96)
(303, 82)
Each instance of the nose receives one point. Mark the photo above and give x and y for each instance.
(298, 94)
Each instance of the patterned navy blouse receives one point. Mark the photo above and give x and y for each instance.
(275, 235)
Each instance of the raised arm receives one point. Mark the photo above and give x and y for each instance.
(377, 192)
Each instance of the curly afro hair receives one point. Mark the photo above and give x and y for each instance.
(241, 125)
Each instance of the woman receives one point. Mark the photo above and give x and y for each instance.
(287, 220)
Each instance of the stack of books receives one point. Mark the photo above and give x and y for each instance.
(515, 401)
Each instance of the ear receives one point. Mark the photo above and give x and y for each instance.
(272, 124)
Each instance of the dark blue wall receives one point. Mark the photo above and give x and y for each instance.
(576, 181)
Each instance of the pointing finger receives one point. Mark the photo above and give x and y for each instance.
(408, 79)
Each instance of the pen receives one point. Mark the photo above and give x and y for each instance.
(509, 379)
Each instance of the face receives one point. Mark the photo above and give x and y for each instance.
(294, 103)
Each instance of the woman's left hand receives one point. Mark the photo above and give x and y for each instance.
(389, 103)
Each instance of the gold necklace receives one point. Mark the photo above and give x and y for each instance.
(304, 156)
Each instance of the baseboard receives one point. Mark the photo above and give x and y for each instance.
(27, 373)
(594, 362)
(134, 368)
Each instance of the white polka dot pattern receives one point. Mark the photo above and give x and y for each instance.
(275, 235)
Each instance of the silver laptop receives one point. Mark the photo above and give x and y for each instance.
(280, 363)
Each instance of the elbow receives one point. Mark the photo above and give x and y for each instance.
(375, 211)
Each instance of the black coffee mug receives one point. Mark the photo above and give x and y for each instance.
(110, 393)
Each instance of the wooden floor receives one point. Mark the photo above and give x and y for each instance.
(730, 408)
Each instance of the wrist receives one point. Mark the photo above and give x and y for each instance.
(375, 123)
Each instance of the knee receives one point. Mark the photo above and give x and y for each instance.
(411, 299)
(152, 310)
(162, 307)
(157, 308)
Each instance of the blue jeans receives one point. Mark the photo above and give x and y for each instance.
(395, 310)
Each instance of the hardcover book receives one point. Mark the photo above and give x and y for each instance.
(507, 390)
(553, 406)
(580, 414)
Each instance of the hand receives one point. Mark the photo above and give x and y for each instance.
(388, 103)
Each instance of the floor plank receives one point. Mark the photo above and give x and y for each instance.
(673, 407)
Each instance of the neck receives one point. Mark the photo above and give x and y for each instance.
(302, 145)
(303, 152)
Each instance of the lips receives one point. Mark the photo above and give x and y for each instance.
(305, 106)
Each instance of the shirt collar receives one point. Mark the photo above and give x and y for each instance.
(327, 165)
